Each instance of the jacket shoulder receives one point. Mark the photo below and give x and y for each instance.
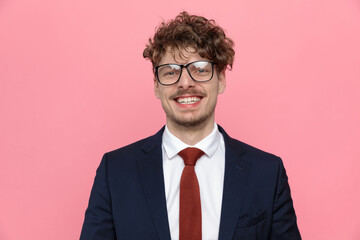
(136, 149)
(253, 150)
(244, 148)
(254, 155)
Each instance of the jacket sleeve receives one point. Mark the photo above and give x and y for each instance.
(98, 223)
(284, 224)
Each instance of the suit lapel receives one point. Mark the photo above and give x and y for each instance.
(235, 181)
(152, 179)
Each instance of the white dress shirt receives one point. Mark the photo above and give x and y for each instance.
(210, 173)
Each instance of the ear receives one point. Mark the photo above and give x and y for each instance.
(222, 81)
(156, 88)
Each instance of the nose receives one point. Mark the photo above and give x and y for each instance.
(185, 80)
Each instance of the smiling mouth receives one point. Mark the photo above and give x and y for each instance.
(188, 100)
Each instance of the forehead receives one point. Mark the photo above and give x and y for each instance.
(182, 56)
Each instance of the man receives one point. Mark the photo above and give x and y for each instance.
(151, 190)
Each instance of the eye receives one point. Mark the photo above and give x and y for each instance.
(169, 71)
(202, 70)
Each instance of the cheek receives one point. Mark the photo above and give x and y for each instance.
(160, 93)
(215, 90)
(163, 96)
(157, 95)
(156, 91)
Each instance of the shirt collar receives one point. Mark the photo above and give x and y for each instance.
(172, 145)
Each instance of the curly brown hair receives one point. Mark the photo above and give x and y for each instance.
(208, 40)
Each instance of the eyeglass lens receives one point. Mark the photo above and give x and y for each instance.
(199, 71)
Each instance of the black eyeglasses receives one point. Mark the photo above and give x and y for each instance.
(200, 71)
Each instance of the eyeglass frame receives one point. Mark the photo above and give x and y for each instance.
(181, 67)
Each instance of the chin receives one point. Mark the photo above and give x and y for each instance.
(193, 122)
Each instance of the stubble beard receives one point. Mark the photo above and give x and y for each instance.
(192, 123)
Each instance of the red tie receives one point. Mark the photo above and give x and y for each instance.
(190, 205)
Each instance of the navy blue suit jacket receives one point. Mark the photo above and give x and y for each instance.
(127, 200)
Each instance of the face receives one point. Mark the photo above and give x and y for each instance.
(188, 103)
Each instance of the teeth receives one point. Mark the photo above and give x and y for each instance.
(188, 100)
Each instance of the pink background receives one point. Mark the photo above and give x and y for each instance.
(73, 85)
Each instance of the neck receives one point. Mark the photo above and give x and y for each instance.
(191, 135)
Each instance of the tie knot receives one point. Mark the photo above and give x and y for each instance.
(190, 155)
